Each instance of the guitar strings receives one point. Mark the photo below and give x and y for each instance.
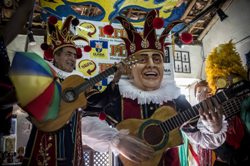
(230, 108)
(233, 107)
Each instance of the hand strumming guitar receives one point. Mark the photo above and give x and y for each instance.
(132, 148)
(211, 116)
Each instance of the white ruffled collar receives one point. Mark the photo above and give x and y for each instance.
(63, 74)
(167, 92)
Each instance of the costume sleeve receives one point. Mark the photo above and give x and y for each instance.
(198, 133)
(96, 133)
(205, 138)
(99, 135)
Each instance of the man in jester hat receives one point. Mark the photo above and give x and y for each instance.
(223, 68)
(140, 96)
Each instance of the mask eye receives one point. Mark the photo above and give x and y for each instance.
(221, 83)
(143, 58)
(157, 59)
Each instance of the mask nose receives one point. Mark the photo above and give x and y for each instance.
(150, 61)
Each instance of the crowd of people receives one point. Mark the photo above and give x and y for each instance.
(145, 94)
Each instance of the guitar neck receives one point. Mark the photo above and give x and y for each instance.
(230, 108)
(92, 81)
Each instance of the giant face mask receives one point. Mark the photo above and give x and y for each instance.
(148, 73)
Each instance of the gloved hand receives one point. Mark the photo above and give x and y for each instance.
(211, 115)
(132, 148)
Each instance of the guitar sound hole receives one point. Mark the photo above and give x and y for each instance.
(69, 96)
(153, 135)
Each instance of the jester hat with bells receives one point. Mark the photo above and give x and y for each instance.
(223, 61)
(135, 42)
(62, 37)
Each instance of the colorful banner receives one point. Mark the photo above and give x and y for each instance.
(105, 10)
(99, 49)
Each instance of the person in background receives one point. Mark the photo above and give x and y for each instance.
(224, 68)
(201, 91)
(146, 90)
(193, 154)
(7, 34)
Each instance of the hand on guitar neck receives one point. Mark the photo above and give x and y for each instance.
(211, 115)
(120, 70)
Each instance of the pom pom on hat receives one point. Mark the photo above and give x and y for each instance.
(44, 46)
(108, 30)
(75, 22)
(48, 54)
(186, 38)
(52, 20)
(87, 48)
(102, 116)
(79, 53)
(158, 23)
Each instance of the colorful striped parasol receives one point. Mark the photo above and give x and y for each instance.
(38, 91)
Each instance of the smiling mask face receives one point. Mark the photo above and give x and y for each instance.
(148, 73)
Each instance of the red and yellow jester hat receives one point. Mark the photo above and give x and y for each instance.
(223, 61)
(62, 37)
(148, 41)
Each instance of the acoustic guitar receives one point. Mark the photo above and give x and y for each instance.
(161, 130)
(73, 96)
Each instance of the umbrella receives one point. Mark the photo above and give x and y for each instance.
(37, 89)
